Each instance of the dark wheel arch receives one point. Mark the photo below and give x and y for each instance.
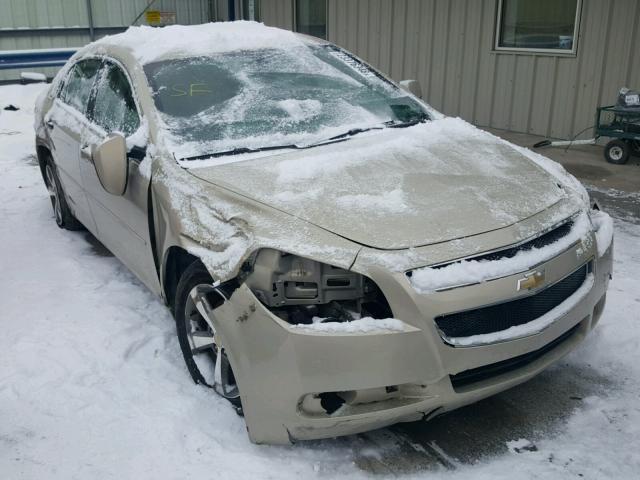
(64, 216)
(43, 154)
(176, 261)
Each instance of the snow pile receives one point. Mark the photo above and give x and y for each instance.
(33, 76)
(529, 328)
(359, 326)
(521, 445)
(603, 225)
(465, 272)
(149, 44)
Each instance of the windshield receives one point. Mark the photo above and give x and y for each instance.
(272, 97)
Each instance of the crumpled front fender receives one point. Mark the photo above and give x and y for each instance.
(276, 365)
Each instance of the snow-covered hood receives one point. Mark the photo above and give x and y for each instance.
(396, 188)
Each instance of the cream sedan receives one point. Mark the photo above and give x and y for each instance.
(338, 255)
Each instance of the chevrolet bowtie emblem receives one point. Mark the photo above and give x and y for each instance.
(531, 280)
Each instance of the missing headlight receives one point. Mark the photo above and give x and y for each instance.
(301, 290)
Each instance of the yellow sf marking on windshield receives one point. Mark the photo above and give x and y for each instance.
(194, 89)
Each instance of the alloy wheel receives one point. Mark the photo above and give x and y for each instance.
(206, 347)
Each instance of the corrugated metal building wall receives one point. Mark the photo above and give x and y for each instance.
(448, 46)
(29, 24)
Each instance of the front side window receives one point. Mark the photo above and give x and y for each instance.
(114, 108)
(77, 87)
(311, 17)
(538, 25)
(272, 97)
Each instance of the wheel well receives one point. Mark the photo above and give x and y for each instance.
(176, 262)
(43, 154)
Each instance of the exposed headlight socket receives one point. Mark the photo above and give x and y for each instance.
(297, 289)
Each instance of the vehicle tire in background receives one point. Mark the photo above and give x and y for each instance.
(198, 342)
(617, 152)
(63, 215)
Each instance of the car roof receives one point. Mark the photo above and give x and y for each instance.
(145, 44)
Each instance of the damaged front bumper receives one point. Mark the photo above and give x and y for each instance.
(289, 377)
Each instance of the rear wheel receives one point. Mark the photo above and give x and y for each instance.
(205, 356)
(63, 215)
(617, 152)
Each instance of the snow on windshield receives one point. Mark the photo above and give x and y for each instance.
(271, 97)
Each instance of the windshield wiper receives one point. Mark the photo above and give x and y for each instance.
(351, 133)
(410, 123)
(355, 131)
(240, 151)
(341, 136)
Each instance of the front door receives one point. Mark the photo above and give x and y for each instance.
(121, 220)
(65, 122)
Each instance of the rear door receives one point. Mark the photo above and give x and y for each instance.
(121, 221)
(65, 122)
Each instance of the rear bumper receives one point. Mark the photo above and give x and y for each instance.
(393, 376)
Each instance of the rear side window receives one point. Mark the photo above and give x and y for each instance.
(114, 108)
(77, 88)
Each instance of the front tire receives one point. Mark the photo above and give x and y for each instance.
(204, 355)
(63, 215)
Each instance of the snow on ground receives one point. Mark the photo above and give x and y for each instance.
(92, 383)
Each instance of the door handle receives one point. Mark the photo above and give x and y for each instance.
(49, 124)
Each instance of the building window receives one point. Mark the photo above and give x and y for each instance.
(538, 25)
(251, 10)
(311, 17)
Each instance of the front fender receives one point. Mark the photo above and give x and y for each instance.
(223, 229)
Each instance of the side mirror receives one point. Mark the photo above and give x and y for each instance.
(412, 86)
(110, 161)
